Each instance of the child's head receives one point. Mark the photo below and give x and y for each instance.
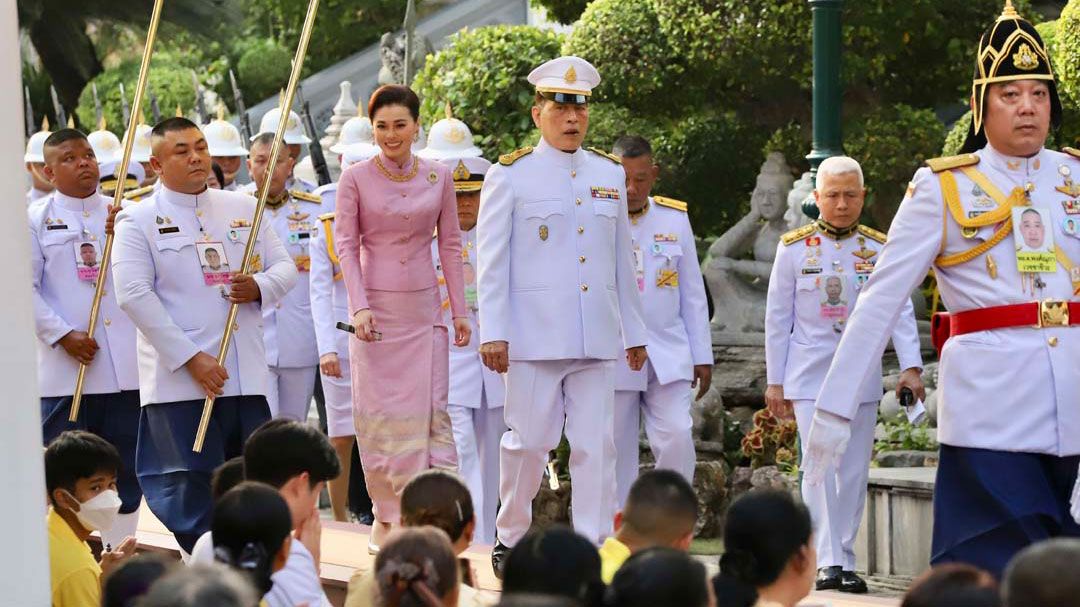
(133, 578)
(294, 458)
(251, 527)
(417, 567)
(439, 499)
(200, 585)
(225, 477)
(661, 510)
(660, 577)
(80, 475)
(555, 560)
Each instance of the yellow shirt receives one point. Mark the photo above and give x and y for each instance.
(612, 555)
(76, 576)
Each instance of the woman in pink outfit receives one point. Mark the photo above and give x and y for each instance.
(387, 209)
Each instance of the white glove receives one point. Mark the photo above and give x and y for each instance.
(829, 435)
(1074, 501)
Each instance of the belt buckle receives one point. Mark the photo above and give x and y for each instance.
(1053, 313)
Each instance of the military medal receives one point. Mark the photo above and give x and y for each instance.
(991, 267)
(667, 278)
(863, 252)
(543, 232)
(1071, 207)
(864, 267)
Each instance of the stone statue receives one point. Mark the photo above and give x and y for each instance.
(738, 284)
(804, 188)
(394, 47)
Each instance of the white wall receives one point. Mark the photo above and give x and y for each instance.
(24, 564)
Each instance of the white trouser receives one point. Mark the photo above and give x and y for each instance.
(124, 527)
(477, 433)
(836, 506)
(337, 392)
(289, 392)
(667, 425)
(540, 395)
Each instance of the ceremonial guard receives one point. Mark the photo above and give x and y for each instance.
(40, 186)
(107, 149)
(672, 291)
(67, 236)
(994, 225)
(558, 304)
(288, 330)
(476, 392)
(226, 149)
(295, 139)
(140, 154)
(329, 306)
(819, 272)
(175, 261)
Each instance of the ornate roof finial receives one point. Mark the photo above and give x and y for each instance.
(1009, 12)
(45, 123)
(101, 124)
(221, 110)
(449, 111)
(179, 111)
(71, 122)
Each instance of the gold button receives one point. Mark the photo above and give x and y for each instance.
(1052, 341)
(573, 173)
(584, 287)
(107, 322)
(236, 326)
(581, 259)
(578, 201)
(581, 229)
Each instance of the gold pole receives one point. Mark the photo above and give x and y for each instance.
(249, 248)
(118, 195)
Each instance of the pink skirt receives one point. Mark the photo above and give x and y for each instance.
(400, 387)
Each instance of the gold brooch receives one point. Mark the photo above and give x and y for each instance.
(543, 232)
(433, 177)
(1025, 58)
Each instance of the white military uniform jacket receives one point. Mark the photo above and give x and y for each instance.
(556, 274)
(802, 325)
(668, 278)
(59, 224)
(329, 298)
(35, 195)
(1012, 389)
(469, 378)
(288, 330)
(162, 288)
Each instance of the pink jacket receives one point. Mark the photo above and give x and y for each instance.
(383, 231)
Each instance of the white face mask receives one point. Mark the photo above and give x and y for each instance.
(100, 512)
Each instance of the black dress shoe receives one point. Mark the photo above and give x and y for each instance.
(498, 558)
(366, 518)
(828, 578)
(851, 583)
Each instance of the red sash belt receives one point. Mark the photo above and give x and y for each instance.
(1035, 314)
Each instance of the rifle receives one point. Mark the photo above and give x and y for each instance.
(241, 111)
(99, 114)
(29, 111)
(124, 105)
(155, 110)
(318, 160)
(58, 108)
(200, 106)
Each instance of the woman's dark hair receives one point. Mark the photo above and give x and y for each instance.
(133, 578)
(437, 498)
(226, 476)
(659, 577)
(555, 561)
(416, 567)
(394, 94)
(763, 531)
(249, 525)
(953, 585)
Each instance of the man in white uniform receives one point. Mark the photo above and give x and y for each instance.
(226, 149)
(180, 310)
(295, 140)
(40, 186)
(668, 278)
(1008, 420)
(817, 276)
(556, 287)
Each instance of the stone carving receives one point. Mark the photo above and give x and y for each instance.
(804, 188)
(392, 54)
(344, 109)
(737, 284)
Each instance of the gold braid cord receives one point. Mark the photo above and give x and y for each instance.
(1003, 213)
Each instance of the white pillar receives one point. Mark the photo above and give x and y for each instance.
(24, 560)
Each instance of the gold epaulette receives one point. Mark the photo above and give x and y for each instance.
(1075, 153)
(327, 216)
(872, 234)
(670, 203)
(609, 156)
(137, 194)
(946, 163)
(512, 157)
(305, 196)
(798, 234)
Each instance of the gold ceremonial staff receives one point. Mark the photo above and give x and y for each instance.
(249, 248)
(118, 196)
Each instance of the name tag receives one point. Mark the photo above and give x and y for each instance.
(169, 230)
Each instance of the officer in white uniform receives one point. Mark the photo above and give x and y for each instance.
(817, 276)
(67, 236)
(295, 139)
(178, 295)
(556, 287)
(476, 392)
(329, 306)
(1008, 423)
(226, 149)
(289, 332)
(140, 154)
(34, 158)
(668, 279)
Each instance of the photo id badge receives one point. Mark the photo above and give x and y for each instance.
(835, 297)
(215, 263)
(87, 260)
(639, 268)
(1033, 234)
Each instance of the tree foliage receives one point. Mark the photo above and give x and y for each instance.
(482, 74)
(561, 11)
